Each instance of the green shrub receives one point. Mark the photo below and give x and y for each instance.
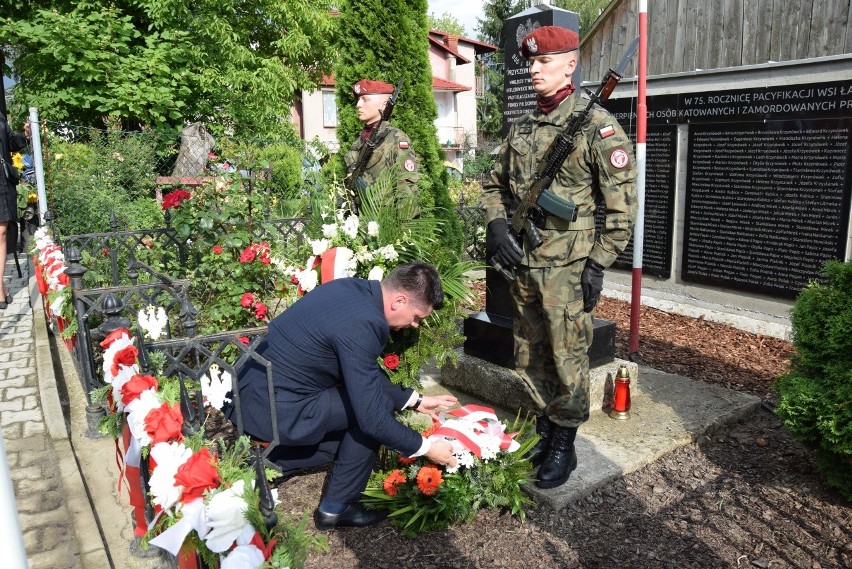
(815, 397)
(103, 173)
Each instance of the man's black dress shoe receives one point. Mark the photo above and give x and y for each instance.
(353, 516)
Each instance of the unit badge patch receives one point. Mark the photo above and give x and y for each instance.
(607, 131)
(409, 165)
(619, 158)
(403, 144)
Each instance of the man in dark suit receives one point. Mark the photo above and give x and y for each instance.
(333, 402)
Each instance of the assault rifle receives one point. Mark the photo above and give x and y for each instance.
(539, 201)
(352, 195)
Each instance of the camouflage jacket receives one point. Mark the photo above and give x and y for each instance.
(393, 151)
(602, 167)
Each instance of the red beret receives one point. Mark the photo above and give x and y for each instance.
(549, 39)
(368, 87)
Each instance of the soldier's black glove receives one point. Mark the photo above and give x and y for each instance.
(498, 239)
(592, 284)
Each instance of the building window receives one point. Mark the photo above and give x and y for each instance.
(329, 109)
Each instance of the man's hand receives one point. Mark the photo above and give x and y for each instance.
(498, 239)
(592, 283)
(441, 453)
(434, 403)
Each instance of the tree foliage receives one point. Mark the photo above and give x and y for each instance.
(238, 66)
(446, 23)
(387, 40)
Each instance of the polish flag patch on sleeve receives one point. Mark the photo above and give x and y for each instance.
(403, 144)
(607, 131)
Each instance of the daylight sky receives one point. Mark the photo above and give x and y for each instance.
(465, 11)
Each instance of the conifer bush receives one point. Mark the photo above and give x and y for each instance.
(815, 397)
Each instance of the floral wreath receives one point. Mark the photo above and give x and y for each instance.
(192, 489)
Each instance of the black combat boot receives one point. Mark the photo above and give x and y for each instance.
(561, 459)
(544, 428)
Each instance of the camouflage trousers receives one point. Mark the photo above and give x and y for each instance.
(552, 338)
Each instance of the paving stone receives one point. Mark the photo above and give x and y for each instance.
(10, 417)
(11, 405)
(32, 428)
(33, 444)
(58, 558)
(19, 381)
(12, 431)
(17, 392)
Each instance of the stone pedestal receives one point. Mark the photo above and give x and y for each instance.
(489, 336)
(503, 388)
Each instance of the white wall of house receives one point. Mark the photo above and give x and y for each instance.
(319, 116)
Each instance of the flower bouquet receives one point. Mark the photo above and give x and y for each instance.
(383, 235)
(490, 472)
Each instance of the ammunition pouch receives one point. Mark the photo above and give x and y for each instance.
(554, 205)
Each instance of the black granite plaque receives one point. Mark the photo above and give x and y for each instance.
(518, 94)
(767, 203)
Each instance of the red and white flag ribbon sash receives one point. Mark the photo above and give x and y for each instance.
(472, 427)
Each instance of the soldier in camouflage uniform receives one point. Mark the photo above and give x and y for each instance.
(394, 146)
(558, 284)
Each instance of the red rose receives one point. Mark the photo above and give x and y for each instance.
(244, 340)
(391, 361)
(260, 311)
(174, 199)
(248, 254)
(247, 300)
(113, 336)
(105, 250)
(125, 356)
(197, 475)
(217, 249)
(63, 279)
(163, 424)
(137, 384)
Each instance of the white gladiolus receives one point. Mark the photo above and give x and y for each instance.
(169, 457)
(308, 280)
(376, 274)
(225, 517)
(350, 226)
(373, 229)
(137, 410)
(329, 230)
(242, 557)
(319, 246)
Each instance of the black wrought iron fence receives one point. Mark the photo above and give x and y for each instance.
(102, 310)
(473, 226)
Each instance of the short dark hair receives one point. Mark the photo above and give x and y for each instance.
(420, 279)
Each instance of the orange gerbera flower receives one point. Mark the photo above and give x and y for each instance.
(428, 480)
(392, 482)
(406, 460)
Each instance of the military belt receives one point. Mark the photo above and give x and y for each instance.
(581, 223)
